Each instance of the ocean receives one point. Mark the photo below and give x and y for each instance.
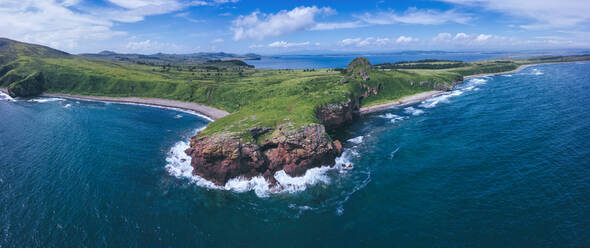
(501, 161)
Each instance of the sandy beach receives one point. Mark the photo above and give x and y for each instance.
(207, 111)
(401, 102)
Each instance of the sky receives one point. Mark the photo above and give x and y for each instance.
(291, 26)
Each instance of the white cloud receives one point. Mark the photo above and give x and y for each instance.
(186, 15)
(405, 39)
(285, 44)
(218, 40)
(366, 42)
(52, 23)
(545, 13)
(149, 46)
(337, 25)
(416, 16)
(483, 37)
(259, 25)
(58, 24)
(442, 37)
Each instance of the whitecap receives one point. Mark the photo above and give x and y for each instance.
(46, 99)
(392, 117)
(6, 97)
(507, 75)
(413, 111)
(344, 161)
(177, 116)
(356, 140)
(477, 81)
(536, 72)
(68, 105)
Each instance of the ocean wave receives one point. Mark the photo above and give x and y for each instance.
(413, 111)
(6, 97)
(536, 72)
(433, 101)
(46, 99)
(392, 117)
(477, 81)
(356, 140)
(507, 75)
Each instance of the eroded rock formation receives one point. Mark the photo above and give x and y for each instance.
(224, 156)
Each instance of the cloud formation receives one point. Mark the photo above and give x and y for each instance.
(259, 25)
(285, 44)
(545, 13)
(416, 16)
(64, 24)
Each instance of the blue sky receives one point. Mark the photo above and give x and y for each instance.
(274, 27)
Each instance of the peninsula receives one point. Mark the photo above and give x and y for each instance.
(265, 120)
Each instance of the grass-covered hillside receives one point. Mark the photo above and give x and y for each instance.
(254, 97)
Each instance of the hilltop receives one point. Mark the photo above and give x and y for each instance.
(278, 119)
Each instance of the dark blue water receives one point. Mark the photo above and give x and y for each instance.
(342, 60)
(501, 161)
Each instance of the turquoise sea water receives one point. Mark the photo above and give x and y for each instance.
(501, 161)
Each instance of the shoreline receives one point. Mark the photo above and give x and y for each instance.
(407, 100)
(202, 110)
(521, 67)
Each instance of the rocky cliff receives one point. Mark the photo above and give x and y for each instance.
(223, 156)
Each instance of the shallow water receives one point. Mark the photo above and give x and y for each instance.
(501, 161)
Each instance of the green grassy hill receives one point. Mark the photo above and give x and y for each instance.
(254, 97)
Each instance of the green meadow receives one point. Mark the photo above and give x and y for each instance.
(254, 97)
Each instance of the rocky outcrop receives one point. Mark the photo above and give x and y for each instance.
(220, 157)
(32, 85)
(335, 115)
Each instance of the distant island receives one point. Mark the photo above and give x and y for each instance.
(265, 120)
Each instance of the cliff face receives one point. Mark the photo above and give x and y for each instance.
(32, 85)
(220, 157)
(335, 115)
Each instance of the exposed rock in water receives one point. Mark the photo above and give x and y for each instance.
(334, 115)
(220, 157)
(32, 85)
(443, 87)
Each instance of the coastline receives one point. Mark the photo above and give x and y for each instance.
(206, 111)
(407, 100)
(505, 72)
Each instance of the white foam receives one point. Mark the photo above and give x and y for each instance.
(356, 140)
(477, 81)
(413, 111)
(343, 162)
(392, 117)
(177, 116)
(46, 99)
(6, 97)
(68, 105)
(432, 102)
(536, 72)
(507, 75)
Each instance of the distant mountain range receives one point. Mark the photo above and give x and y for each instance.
(176, 59)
